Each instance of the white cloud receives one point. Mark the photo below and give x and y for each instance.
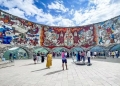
(102, 10)
(57, 6)
(65, 22)
(25, 5)
(17, 12)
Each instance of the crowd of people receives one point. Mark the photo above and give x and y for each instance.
(114, 54)
(38, 56)
(81, 56)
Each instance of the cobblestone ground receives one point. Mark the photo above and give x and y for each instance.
(25, 73)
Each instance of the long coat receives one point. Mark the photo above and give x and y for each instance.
(49, 60)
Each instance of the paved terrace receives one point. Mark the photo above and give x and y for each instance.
(25, 73)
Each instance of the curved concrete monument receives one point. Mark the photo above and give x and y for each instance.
(18, 31)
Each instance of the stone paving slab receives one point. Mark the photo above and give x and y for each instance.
(25, 73)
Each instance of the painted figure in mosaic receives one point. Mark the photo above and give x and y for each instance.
(5, 34)
(88, 36)
(51, 37)
(81, 37)
(68, 38)
(76, 38)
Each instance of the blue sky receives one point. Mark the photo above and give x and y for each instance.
(62, 12)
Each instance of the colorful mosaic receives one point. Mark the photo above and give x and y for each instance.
(14, 30)
(68, 37)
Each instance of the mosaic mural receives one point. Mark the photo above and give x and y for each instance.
(68, 37)
(14, 30)
(108, 31)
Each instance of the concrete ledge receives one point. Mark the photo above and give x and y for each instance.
(101, 57)
(6, 64)
(79, 63)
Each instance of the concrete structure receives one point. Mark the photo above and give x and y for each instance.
(18, 31)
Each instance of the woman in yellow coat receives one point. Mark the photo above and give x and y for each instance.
(49, 60)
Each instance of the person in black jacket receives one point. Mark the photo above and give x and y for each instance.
(38, 56)
(10, 57)
(42, 57)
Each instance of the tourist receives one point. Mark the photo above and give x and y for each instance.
(38, 56)
(34, 57)
(10, 57)
(49, 60)
(95, 54)
(67, 55)
(25, 55)
(64, 59)
(113, 54)
(117, 54)
(77, 56)
(42, 57)
(83, 56)
(88, 56)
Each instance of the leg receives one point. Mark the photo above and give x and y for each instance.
(42, 60)
(84, 58)
(88, 60)
(66, 64)
(81, 58)
(34, 61)
(63, 64)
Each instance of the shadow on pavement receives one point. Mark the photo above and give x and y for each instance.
(30, 64)
(7, 66)
(53, 72)
(39, 70)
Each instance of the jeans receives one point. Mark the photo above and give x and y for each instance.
(83, 58)
(88, 59)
